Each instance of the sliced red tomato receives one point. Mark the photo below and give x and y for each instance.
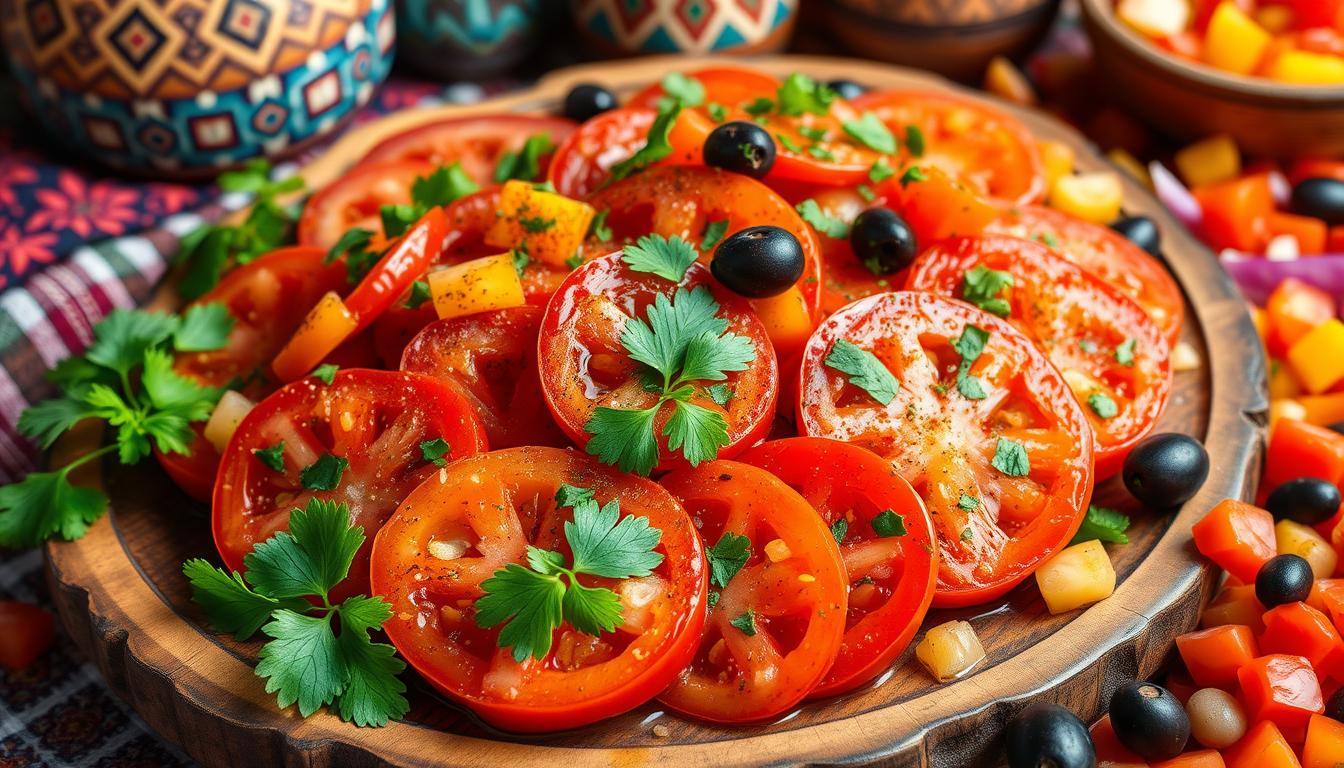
(723, 85)
(492, 356)
(1106, 254)
(778, 622)
(354, 199)
(477, 143)
(982, 146)
(26, 632)
(890, 577)
(375, 421)
(584, 364)
(1006, 477)
(498, 505)
(583, 163)
(683, 201)
(1114, 358)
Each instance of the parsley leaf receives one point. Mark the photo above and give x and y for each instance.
(325, 373)
(531, 603)
(311, 557)
(970, 345)
(1010, 458)
(525, 164)
(605, 544)
(373, 694)
(727, 557)
(624, 438)
(714, 232)
(419, 295)
(121, 339)
(746, 622)
(840, 529)
(1102, 405)
(696, 431)
(656, 147)
(230, 605)
(981, 286)
(1102, 523)
(720, 394)
(914, 140)
(821, 221)
(435, 450)
(800, 95)
(204, 328)
(871, 132)
(655, 254)
(324, 474)
(968, 503)
(1124, 354)
(684, 91)
(864, 370)
(599, 226)
(46, 504)
(312, 684)
(888, 524)
(880, 171)
(912, 174)
(273, 457)
(717, 112)
(446, 184)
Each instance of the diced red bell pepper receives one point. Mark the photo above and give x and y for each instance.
(1330, 592)
(1204, 758)
(1236, 212)
(1298, 449)
(1110, 752)
(1293, 309)
(1324, 747)
(1310, 232)
(1282, 689)
(1263, 746)
(1236, 536)
(1297, 628)
(1213, 656)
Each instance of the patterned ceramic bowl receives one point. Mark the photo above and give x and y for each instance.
(466, 39)
(185, 87)
(624, 27)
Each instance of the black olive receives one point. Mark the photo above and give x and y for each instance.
(1045, 734)
(883, 241)
(740, 147)
(1338, 427)
(1321, 199)
(1283, 579)
(758, 262)
(1307, 500)
(1141, 231)
(1149, 720)
(846, 89)
(586, 101)
(1166, 470)
(1334, 706)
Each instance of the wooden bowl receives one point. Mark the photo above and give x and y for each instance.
(954, 39)
(1187, 100)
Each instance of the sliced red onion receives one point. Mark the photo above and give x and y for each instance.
(1258, 276)
(1176, 197)
(1280, 188)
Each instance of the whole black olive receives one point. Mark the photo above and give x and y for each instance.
(1338, 427)
(758, 262)
(883, 241)
(1166, 470)
(846, 89)
(1334, 706)
(1045, 734)
(1149, 720)
(1141, 231)
(1320, 198)
(586, 101)
(1283, 579)
(740, 147)
(1307, 500)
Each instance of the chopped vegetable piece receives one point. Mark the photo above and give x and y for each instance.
(950, 650)
(476, 286)
(1077, 576)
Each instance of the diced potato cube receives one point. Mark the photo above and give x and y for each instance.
(1234, 41)
(226, 417)
(475, 286)
(1057, 157)
(1075, 577)
(1294, 538)
(1155, 18)
(950, 650)
(1094, 197)
(548, 227)
(1318, 357)
(1307, 68)
(1209, 161)
(1286, 409)
(1185, 358)
(787, 321)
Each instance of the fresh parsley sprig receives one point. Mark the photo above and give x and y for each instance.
(1104, 523)
(126, 379)
(446, 184)
(287, 595)
(532, 602)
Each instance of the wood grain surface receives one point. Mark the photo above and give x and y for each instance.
(122, 596)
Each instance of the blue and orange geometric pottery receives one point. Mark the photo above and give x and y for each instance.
(183, 88)
(466, 39)
(624, 27)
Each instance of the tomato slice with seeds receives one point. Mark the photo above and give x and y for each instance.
(890, 579)
(486, 510)
(477, 143)
(1105, 253)
(1082, 324)
(723, 85)
(683, 200)
(492, 356)
(983, 147)
(777, 625)
(1021, 456)
(375, 420)
(583, 163)
(354, 199)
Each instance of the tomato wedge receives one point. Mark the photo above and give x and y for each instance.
(890, 578)
(1114, 358)
(477, 143)
(492, 356)
(354, 200)
(375, 421)
(497, 505)
(1006, 477)
(584, 364)
(683, 200)
(777, 623)
(983, 147)
(1106, 254)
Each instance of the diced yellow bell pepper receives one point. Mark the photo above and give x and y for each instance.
(475, 286)
(548, 227)
(950, 650)
(1005, 80)
(1075, 577)
(1318, 357)
(1282, 382)
(1058, 158)
(1294, 538)
(1155, 18)
(786, 321)
(1094, 197)
(1286, 409)
(326, 327)
(1234, 41)
(1323, 410)
(1276, 19)
(1306, 68)
(1209, 161)
(1130, 165)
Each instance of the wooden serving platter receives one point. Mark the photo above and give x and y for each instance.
(122, 597)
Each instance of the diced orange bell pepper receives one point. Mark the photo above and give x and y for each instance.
(326, 326)
(1322, 410)
(1298, 449)
(940, 207)
(1324, 747)
(1263, 746)
(479, 285)
(1234, 605)
(787, 321)
(1310, 232)
(1236, 212)
(1293, 309)
(1236, 536)
(1234, 41)
(1204, 758)
(1213, 656)
(547, 226)
(1318, 357)
(1319, 588)
(1214, 160)
(1110, 752)
(1297, 628)
(1282, 689)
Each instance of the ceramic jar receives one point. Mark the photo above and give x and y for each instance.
(467, 39)
(625, 27)
(183, 88)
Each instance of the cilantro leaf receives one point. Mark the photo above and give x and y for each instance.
(606, 544)
(657, 255)
(1124, 354)
(571, 496)
(981, 286)
(880, 171)
(121, 338)
(310, 558)
(661, 343)
(273, 457)
(46, 421)
(1010, 458)
(864, 370)
(204, 328)
(888, 524)
(914, 140)
(1102, 523)
(759, 106)
(1102, 405)
(746, 623)
(170, 391)
(396, 219)
(871, 132)
(525, 164)
(840, 529)
(419, 295)
(435, 450)
(325, 373)
(800, 95)
(720, 394)
(968, 503)
(46, 504)
(446, 184)
(821, 221)
(714, 232)
(696, 431)
(656, 147)
(530, 605)
(708, 357)
(313, 683)
(624, 438)
(372, 694)
(717, 112)
(353, 239)
(727, 557)
(325, 473)
(911, 175)
(599, 226)
(685, 91)
(230, 605)
(970, 345)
